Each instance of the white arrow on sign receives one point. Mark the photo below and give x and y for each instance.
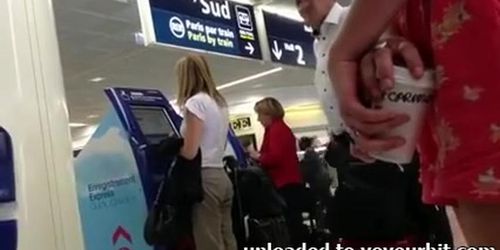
(250, 48)
(276, 50)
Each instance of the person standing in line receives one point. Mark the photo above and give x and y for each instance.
(205, 126)
(326, 18)
(314, 171)
(460, 41)
(278, 157)
(318, 182)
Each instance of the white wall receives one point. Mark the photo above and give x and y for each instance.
(34, 112)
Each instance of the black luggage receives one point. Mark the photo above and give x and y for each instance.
(257, 208)
(268, 230)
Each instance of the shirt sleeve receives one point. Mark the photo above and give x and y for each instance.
(274, 153)
(197, 106)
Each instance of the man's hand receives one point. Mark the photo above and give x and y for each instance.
(377, 66)
(377, 77)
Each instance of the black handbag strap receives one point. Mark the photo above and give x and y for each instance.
(232, 165)
(238, 195)
(169, 146)
(161, 192)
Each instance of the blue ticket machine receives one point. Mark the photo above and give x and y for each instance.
(118, 172)
(8, 226)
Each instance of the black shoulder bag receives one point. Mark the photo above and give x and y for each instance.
(169, 220)
(159, 229)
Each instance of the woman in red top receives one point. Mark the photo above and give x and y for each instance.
(460, 146)
(278, 157)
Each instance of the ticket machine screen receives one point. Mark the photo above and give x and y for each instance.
(154, 123)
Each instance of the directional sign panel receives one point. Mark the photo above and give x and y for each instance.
(290, 41)
(214, 25)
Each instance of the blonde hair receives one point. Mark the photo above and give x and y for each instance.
(270, 106)
(193, 77)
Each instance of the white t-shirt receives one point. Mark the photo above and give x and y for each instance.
(215, 128)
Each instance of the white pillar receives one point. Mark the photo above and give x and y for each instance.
(33, 110)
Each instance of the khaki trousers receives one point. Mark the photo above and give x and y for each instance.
(212, 222)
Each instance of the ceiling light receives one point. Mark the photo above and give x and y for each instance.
(97, 79)
(303, 107)
(249, 78)
(253, 99)
(244, 1)
(77, 125)
(93, 116)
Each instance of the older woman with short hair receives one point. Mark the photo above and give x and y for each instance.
(278, 157)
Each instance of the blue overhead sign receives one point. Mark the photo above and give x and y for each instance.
(213, 25)
(290, 41)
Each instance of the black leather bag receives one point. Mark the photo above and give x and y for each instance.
(259, 197)
(270, 230)
(256, 197)
(166, 225)
(184, 186)
(159, 228)
(169, 220)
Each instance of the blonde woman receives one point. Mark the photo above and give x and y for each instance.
(205, 127)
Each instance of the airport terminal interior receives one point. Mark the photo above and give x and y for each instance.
(104, 73)
(102, 46)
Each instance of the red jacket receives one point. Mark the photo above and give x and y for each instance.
(279, 155)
